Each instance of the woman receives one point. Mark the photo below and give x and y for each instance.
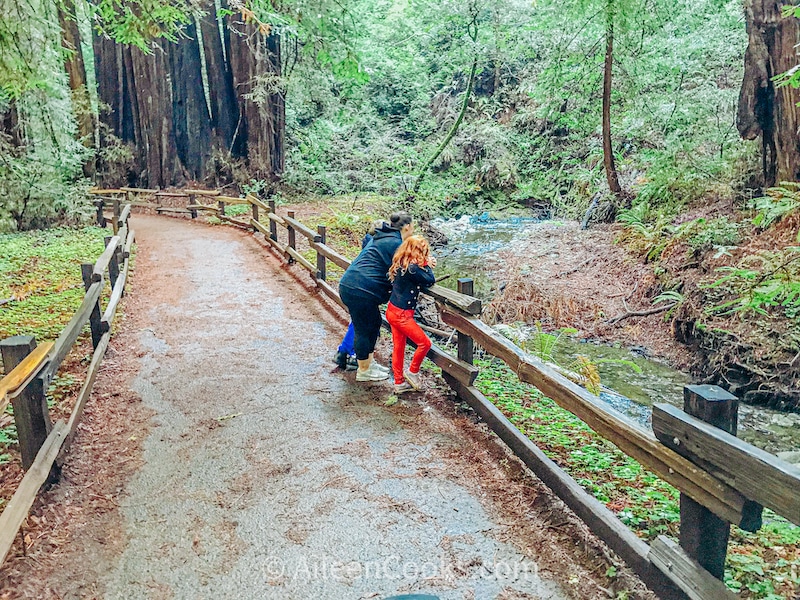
(365, 286)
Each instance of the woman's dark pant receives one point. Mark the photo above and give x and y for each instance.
(366, 316)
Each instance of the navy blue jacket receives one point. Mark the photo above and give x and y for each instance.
(408, 285)
(367, 274)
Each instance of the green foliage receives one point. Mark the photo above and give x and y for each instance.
(236, 210)
(765, 282)
(704, 234)
(531, 131)
(138, 22)
(762, 565)
(649, 239)
(778, 203)
(642, 501)
(40, 275)
(545, 345)
(41, 178)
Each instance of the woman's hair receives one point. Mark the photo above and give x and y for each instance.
(399, 220)
(415, 249)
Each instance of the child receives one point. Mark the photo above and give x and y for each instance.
(345, 357)
(410, 273)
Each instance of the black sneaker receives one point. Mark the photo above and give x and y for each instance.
(341, 360)
(352, 363)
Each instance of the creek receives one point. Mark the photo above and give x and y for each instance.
(471, 252)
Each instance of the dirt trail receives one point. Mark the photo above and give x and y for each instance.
(263, 473)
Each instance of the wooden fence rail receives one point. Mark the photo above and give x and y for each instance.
(31, 368)
(722, 479)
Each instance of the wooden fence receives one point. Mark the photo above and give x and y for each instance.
(30, 369)
(722, 480)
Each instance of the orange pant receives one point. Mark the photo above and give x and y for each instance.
(404, 327)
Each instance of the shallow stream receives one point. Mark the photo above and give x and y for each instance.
(473, 242)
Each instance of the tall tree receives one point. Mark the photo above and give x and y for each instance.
(764, 109)
(40, 159)
(208, 92)
(76, 72)
(611, 11)
(472, 33)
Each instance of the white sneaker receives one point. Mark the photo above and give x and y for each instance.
(380, 367)
(371, 374)
(413, 379)
(402, 388)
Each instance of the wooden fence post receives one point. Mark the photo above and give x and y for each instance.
(292, 239)
(30, 407)
(703, 535)
(273, 227)
(113, 266)
(95, 319)
(255, 216)
(221, 205)
(101, 220)
(321, 270)
(192, 202)
(465, 343)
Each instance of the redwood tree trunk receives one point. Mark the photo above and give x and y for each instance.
(764, 109)
(110, 82)
(10, 126)
(261, 116)
(608, 151)
(158, 102)
(191, 120)
(224, 103)
(153, 124)
(76, 71)
(71, 40)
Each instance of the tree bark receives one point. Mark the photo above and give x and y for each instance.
(608, 151)
(254, 60)
(191, 121)
(764, 109)
(71, 40)
(76, 71)
(158, 102)
(10, 125)
(153, 124)
(110, 83)
(224, 103)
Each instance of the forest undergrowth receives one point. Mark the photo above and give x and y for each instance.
(763, 565)
(40, 289)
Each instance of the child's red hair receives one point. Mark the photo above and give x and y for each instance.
(414, 249)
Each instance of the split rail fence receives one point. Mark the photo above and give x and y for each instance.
(722, 480)
(30, 369)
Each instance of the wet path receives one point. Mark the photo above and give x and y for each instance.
(267, 475)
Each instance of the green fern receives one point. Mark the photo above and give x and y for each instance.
(669, 296)
(778, 203)
(776, 285)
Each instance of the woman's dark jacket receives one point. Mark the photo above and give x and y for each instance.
(367, 274)
(409, 284)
